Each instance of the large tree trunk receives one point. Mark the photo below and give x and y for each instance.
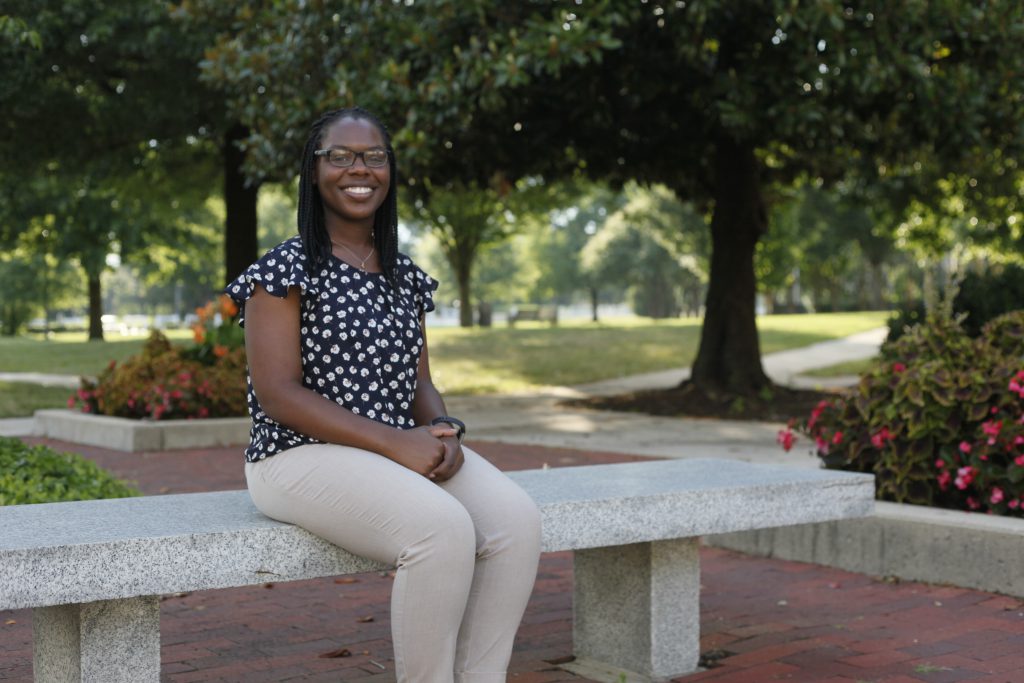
(463, 268)
(729, 359)
(95, 307)
(593, 304)
(240, 237)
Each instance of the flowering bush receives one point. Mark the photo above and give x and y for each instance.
(938, 421)
(164, 383)
(217, 332)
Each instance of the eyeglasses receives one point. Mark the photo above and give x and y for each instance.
(344, 158)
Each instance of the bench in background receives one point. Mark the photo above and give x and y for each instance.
(532, 312)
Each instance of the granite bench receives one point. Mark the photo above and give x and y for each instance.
(94, 570)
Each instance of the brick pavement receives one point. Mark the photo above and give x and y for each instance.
(761, 620)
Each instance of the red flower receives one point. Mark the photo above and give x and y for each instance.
(786, 439)
(965, 447)
(996, 496)
(837, 438)
(944, 478)
(898, 368)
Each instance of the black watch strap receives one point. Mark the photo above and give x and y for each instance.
(454, 422)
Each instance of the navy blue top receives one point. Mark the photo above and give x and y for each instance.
(360, 340)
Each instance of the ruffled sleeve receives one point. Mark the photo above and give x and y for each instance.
(421, 285)
(282, 267)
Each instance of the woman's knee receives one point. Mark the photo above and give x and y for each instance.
(444, 531)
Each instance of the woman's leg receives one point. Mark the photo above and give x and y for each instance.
(507, 525)
(373, 507)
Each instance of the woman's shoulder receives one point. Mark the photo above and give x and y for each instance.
(291, 249)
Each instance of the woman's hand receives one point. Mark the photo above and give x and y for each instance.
(423, 449)
(453, 459)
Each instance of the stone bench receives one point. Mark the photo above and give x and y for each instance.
(94, 570)
(534, 313)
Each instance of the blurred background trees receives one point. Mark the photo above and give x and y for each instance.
(717, 158)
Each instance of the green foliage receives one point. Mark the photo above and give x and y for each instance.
(164, 383)
(38, 474)
(983, 295)
(654, 244)
(939, 420)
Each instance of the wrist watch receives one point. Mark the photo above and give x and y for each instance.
(458, 424)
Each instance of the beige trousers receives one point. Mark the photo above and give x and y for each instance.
(466, 549)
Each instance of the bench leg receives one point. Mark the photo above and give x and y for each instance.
(636, 608)
(109, 641)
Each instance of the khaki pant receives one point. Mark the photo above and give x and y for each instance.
(466, 549)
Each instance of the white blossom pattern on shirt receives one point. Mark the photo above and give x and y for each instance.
(360, 342)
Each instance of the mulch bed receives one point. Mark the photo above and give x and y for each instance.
(777, 404)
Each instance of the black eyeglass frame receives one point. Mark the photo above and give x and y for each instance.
(355, 155)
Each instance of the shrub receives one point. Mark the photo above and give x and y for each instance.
(982, 296)
(164, 383)
(37, 474)
(938, 421)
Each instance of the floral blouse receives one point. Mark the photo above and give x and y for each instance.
(361, 340)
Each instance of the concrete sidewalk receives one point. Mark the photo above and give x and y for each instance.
(538, 419)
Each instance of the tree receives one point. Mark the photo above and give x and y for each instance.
(465, 220)
(642, 246)
(718, 100)
(744, 96)
(105, 84)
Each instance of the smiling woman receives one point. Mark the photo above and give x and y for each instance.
(350, 438)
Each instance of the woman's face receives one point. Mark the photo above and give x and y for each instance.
(352, 195)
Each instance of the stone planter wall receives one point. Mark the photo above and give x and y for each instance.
(122, 434)
(911, 542)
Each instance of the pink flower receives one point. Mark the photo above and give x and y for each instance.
(1019, 460)
(1018, 440)
(964, 477)
(1013, 504)
(816, 414)
(965, 447)
(940, 464)
(997, 495)
(1017, 384)
(786, 438)
(837, 438)
(879, 438)
(821, 444)
(71, 402)
(944, 478)
(898, 367)
(992, 428)
(972, 503)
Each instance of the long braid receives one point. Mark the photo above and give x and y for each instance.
(310, 217)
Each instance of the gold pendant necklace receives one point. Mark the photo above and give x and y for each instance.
(362, 261)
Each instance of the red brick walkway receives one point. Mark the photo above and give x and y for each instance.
(762, 620)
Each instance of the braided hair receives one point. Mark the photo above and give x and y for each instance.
(313, 230)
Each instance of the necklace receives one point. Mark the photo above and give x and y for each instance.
(362, 261)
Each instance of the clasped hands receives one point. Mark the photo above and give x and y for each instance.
(433, 451)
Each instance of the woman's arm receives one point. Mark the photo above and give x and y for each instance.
(273, 351)
(428, 404)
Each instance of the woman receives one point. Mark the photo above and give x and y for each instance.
(351, 440)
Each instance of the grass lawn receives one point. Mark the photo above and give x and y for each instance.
(70, 353)
(502, 359)
(18, 399)
(853, 367)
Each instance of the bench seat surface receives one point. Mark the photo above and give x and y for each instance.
(66, 553)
